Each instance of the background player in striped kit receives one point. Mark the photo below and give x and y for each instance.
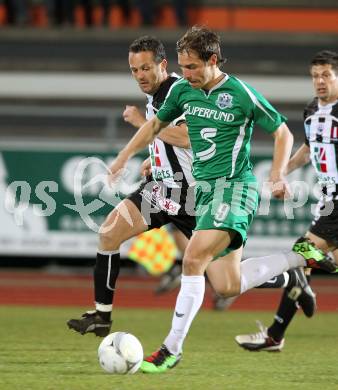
(321, 148)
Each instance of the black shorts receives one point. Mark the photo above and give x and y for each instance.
(155, 218)
(325, 223)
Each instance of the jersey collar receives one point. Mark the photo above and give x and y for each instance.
(328, 105)
(220, 83)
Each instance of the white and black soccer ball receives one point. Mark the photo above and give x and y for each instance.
(120, 353)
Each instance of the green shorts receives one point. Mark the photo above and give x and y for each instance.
(227, 205)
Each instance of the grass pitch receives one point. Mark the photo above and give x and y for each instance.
(38, 352)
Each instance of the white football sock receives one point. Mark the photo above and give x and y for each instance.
(188, 302)
(258, 270)
(102, 307)
(295, 260)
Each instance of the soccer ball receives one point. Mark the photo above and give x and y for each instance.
(120, 353)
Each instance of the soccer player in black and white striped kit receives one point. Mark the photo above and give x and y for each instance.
(165, 197)
(321, 148)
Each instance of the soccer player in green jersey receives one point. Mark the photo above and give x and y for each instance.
(220, 112)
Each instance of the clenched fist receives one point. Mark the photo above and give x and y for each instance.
(133, 115)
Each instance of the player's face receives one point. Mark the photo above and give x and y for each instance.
(148, 74)
(325, 82)
(198, 72)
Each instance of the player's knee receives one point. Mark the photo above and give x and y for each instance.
(226, 287)
(108, 242)
(194, 265)
(228, 291)
(108, 237)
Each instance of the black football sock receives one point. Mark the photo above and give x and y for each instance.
(276, 282)
(292, 280)
(106, 272)
(286, 311)
(105, 315)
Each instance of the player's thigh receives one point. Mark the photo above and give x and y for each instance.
(324, 228)
(124, 222)
(224, 274)
(180, 239)
(203, 247)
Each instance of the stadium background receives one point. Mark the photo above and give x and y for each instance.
(64, 84)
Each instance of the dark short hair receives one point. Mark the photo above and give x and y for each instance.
(326, 57)
(148, 43)
(203, 41)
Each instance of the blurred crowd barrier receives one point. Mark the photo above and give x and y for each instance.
(57, 209)
(274, 15)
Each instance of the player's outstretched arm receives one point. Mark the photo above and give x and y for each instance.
(143, 137)
(299, 159)
(176, 136)
(281, 155)
(173, 135)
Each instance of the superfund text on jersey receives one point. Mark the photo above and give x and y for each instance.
(220, 123)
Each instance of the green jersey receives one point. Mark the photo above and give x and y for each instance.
(220, 123)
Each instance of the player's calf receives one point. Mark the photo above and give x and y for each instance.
(300, 291)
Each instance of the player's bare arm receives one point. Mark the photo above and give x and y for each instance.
(299, 159)
(143, 137)
(173, 135)
(176, 136)
(282, 151)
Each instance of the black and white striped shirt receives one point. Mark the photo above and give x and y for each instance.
(171, 165)
(321, 130)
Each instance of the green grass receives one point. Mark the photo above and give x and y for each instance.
(38, 352)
